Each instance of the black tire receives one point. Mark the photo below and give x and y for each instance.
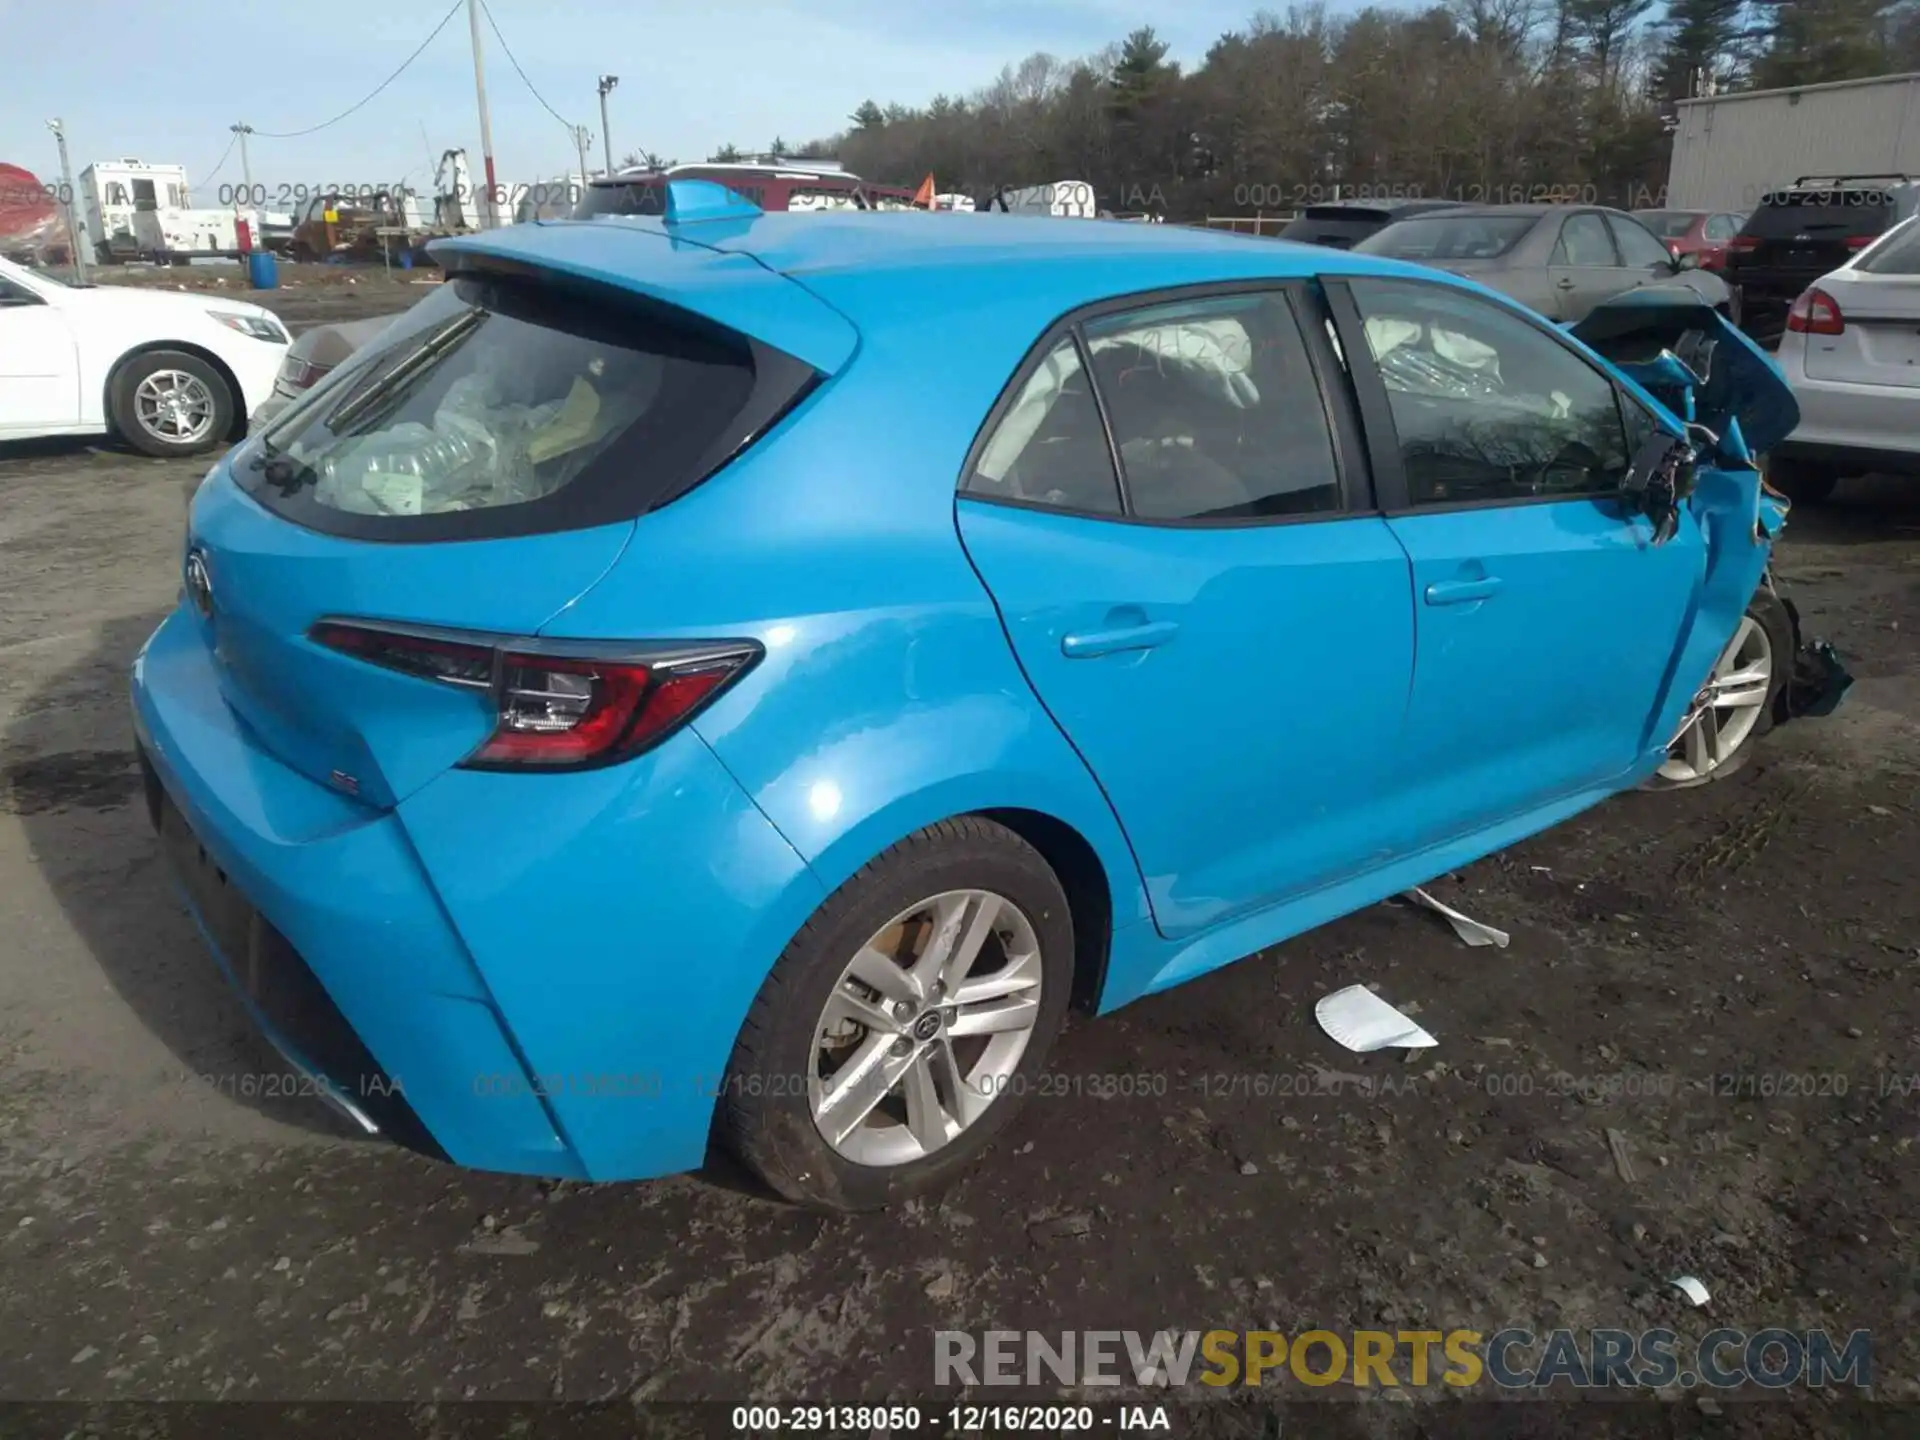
(126, 419)
(1767, 611)
(1802, 480)
(770, 1125)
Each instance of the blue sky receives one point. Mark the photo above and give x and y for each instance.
(163, 82)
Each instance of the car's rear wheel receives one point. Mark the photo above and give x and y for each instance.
(167, 403)
(1737, 704)
(904, 1024)
(1802, 480)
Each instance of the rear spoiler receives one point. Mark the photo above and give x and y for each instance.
(641, 255)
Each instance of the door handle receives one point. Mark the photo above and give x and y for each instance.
(1461, 592)
(1093, 643)
(1563, 283)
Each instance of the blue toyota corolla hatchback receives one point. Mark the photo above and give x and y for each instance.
(744, 676)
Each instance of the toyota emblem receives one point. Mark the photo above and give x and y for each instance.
(199, 584)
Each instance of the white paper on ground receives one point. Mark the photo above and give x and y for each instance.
(1690, 1287)
(1472, 931)
(1362, 1021)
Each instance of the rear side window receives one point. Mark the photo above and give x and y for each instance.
(1050, 447)
(1821, 214)
(1898, 254)
(513, 404)
(1216, 411)
(1584, 242)
(1722, 227)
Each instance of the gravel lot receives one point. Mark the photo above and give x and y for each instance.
(165, 1236)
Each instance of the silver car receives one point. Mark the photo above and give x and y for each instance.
(1851, 353)
(1561, 260)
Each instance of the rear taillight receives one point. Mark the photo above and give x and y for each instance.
(298, 374)
(1744, 244)
(556, 704)
(1816, 313)
(1860, 242)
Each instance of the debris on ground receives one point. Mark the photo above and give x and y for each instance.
(1474, 932)
(1362, 1021)
(1070, 1226)
(1690, 1286)
(1622, 1160)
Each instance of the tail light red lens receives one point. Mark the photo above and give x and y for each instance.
(556, 705)
(300, 374)
(1744, 244)
(1816, 313)
(1860, 242)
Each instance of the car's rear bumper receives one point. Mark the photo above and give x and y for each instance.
(535, 974)
(1872, 427)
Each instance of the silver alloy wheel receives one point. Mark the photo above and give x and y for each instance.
(924, 1027)
(1727, 708)
(174, 406)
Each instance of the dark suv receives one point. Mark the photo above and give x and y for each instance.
(1804, 230)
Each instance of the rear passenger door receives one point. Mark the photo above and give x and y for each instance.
(1547, 620)
(1170, 508)
(1584, 268)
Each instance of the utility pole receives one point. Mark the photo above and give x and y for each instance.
(607, 82)
(76, 235)
(582, 141)
(246, 169)
(488, 210)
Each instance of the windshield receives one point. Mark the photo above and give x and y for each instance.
(1449, 237)
(1667, 224)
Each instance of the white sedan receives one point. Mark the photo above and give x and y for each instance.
(171, 373)
(1851, 354)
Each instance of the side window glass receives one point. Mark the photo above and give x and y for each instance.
(1049, 448)
(1216, 410)
(1723, 227)
(1583, 241)
(1638, 249)
(1487, 407)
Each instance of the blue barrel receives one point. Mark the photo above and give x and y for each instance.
(263, 271)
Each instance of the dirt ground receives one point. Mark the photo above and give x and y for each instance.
(1728, 975)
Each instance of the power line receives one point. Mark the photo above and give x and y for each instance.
(494, 26)
(223, 162)
(452, 10)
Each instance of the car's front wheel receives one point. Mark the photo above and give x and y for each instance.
(168, 403)
(905, 1023)
(1737, 704)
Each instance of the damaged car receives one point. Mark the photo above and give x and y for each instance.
(724, 678)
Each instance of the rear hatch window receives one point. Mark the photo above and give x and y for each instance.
(1819, 221)
(513, 403)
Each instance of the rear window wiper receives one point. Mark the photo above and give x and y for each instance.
(393, 385)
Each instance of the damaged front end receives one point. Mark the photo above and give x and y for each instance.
(1733, 406)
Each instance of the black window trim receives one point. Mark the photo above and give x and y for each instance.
(1350, 452)
(1615, 218)
(1383, 436)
